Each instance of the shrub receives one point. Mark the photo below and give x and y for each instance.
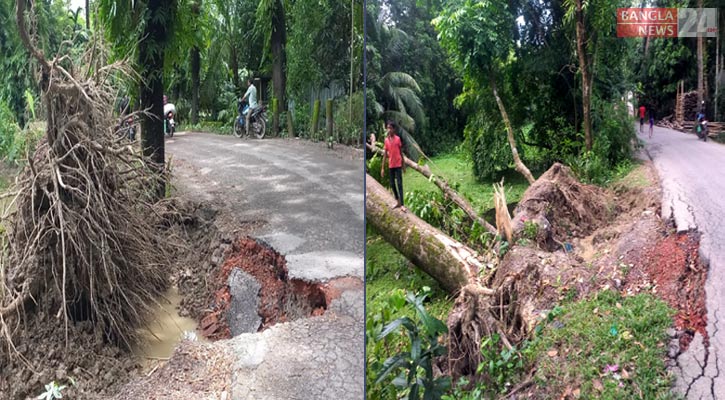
(415, 363)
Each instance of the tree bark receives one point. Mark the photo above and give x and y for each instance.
(234, 64)
(195, 83)
(151, 58)
(352, 53)
(88, 15)
(195, 70)
(520, 166)
(446, 260)
(446, 189)
(279, 58)
(586, 80)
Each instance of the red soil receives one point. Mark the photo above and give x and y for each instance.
(673, 265)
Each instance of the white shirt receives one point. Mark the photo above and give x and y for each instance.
(251, 95)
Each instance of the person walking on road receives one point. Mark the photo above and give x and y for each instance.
(393, 153)
(642, 111)
(651, 123)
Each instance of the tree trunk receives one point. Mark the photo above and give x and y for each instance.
(88, 15)
(234, 64)
(279, 41)
(151, 57)
(586, 80)
(352, 53)
(446, 260)
(195, 70)
(520, 167)
(718, 65)
(195, 83)
(446, 189)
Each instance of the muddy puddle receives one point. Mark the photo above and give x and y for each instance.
(159, 338)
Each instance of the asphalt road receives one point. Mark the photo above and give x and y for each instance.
(307, 202)
(692, 174)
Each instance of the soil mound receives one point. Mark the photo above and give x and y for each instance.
(561, 206)
(632, 252)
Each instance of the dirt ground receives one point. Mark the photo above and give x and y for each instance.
(90, 366)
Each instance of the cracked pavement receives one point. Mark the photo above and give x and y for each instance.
(693, 187)
(307, 203)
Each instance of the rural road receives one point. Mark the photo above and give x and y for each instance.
(693, 182)
(307, 202)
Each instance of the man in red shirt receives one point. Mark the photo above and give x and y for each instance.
(393, 152)
(641, 117)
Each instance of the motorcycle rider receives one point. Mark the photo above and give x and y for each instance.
(251, 96)
(169, 113)
(701, 123)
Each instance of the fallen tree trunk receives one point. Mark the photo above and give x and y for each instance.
(479, 311)
(450, 193)
(451, 263)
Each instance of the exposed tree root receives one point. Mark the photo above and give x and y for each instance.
(83, 238)
(509, 301)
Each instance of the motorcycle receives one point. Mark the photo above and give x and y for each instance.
(701, 129)
(257, 120)
(169, 124)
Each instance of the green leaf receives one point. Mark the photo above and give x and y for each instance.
(390, 365)
(415, 349)
(393, 326)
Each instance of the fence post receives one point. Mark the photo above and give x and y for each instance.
(315, 119)
(275, 113)
(328, 111)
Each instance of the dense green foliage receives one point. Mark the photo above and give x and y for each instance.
(388, 277)
(409, 76)
(324, 53)
(662, 63)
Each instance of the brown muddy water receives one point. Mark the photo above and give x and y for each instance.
(166, 330)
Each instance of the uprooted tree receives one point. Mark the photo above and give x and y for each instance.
(503, 300)
(82, 234)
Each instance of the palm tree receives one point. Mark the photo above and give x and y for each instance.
(271, 25)
(394, 94)
(396, 98)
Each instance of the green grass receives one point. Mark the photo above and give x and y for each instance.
(579, 340)
(387, 270)
(458, 172)
(219, 128)
(636, 178)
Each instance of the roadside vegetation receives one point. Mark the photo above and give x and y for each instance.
(485, 91)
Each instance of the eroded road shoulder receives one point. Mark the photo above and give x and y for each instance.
(693, 191)
(306, 202)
